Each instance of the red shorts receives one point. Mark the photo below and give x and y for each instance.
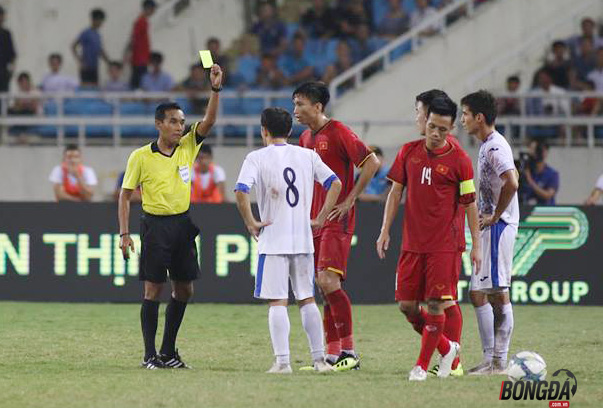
(422, 276)
(331, 251)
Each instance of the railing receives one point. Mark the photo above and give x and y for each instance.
(526, 123)
(354, 76)
(544, 35)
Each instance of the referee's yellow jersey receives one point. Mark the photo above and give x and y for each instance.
(165, 180)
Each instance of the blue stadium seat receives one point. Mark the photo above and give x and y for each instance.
(246, 72)
(132, 108)
(401, 50)
(252, 106)
(285, 103)
(232, 106)
(291, 30)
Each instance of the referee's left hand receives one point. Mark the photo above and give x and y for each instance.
(215, 76)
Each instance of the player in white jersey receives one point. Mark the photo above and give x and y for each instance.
(283, 176)
(499, 220)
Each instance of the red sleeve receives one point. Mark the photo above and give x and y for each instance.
(397, 172)
(354, 148)
(466, 176)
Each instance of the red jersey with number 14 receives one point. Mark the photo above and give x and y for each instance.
(341, 150)
(438, 184)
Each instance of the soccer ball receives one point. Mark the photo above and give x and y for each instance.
(526, 366)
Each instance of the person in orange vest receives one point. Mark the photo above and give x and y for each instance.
(208, 179)
(71, 179)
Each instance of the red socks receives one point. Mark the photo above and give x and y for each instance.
(418, 320)
(341, 313)
(454, 327)
(333, 343)
(432, 337)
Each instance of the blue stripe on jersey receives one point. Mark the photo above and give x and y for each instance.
(496, 231)
(327, 184)
(242, 187)
(259, 275)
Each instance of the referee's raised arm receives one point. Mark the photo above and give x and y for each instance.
(211, 112)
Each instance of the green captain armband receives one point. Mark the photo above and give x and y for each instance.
(467, 187)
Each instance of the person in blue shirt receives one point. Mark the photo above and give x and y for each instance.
(294, 64)
(155, 80)
(540, 181)
(88, 48)
(378, 188)
(271, 31)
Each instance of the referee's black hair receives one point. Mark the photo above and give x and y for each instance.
(444, 107)
(277, 122)
(163, 108)
(482, 102)
(315, 91)
(428, 96)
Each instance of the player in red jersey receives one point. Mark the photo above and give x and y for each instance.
(438, 176)
(341, 150)
(454, 318)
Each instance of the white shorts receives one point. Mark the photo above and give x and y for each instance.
(497, 243)
(275, 271)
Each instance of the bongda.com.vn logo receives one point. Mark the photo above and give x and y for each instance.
(558, 391)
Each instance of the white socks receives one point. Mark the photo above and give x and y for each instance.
(504, 329)
(278, 323)
(485, 324)
(312, 322)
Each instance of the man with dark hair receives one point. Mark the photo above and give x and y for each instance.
(341, 150)
(498, 221)
(439, 178)
(138, 50)
(7, 54)
(560, 65)
(453, 326)
(208, 179)
(116, 82)
(90, 49)
(163, 169)
(156, 80)
(509, 105)
(284, 177)
(72, 181)
(55, 81)
(294, 63)
(541, 181)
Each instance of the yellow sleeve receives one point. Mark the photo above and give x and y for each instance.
(132, 176)
(191, 143)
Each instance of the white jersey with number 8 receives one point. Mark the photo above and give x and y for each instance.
(284, 177)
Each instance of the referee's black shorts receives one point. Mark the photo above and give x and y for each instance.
(168, 244)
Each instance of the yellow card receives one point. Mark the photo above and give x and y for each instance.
(206, 59)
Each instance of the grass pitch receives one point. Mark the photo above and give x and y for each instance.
(87, 355)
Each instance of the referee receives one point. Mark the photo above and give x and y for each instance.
(163, 170)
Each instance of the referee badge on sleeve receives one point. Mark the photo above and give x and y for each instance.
(185, 173)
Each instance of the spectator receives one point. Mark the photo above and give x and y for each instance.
(552, 106)
(195, 83)
(589, 29)
(55, 81)
(559, 66)
(271, 31)
(207, 185)
(344, 62)
(72, 180)
(540, 182)
(25, 105)
(269, 75)
(395, 22)
(349, 15)
(364, 44)
(116, 82)
(596, 75)
(510, 106)
(294, 63)
(597, 192)
(378, 187)
(213, 45)
(319, 20)
(136, 194)
(138, 51)
(7, 54)
(589, 105)
(423, 12)
(248, 63)
(156, 80)
(90, 49)
(586, 60)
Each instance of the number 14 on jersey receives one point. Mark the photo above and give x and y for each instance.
(426, 176)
